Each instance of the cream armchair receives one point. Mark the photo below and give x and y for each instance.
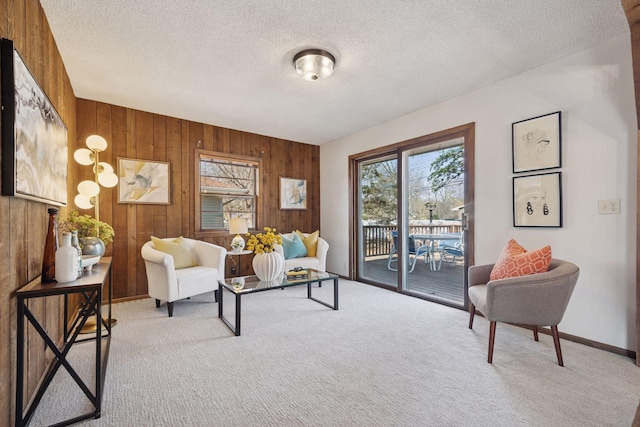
(168, 284)
(319, 262)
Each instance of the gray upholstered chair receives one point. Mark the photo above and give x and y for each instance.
(535, 300)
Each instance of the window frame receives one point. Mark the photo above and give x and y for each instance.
(199, 153)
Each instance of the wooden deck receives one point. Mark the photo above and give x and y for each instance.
(447, 284)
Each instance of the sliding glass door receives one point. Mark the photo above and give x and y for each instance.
(410, 218)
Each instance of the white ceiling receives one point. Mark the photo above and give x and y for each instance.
(229, 63)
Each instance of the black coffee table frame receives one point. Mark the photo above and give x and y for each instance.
(251, 285)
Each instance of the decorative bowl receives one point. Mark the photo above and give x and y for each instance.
(88, 261)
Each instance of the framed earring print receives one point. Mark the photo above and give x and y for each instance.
(537, 200)
(536, 143)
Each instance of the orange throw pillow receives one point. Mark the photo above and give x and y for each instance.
(515, 261)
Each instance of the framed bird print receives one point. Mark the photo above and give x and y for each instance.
(293, 193)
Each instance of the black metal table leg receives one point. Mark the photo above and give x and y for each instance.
(234, 328)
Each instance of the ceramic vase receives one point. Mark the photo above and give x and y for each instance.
(268, 267)
(92, 246)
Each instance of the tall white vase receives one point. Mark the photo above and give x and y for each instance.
(269, 266)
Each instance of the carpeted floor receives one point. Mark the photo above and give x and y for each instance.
(383, 359)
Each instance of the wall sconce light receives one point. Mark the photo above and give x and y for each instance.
(314, 64)
(88, 191)
(238, 226)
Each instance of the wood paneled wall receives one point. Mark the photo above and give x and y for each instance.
(140, 135)
(23, 223)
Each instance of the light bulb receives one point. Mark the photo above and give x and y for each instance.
(83, 202)
(108, 179)
(88, 188)
(83, 156)
(97, 143)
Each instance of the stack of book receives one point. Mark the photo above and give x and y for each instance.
(297, 274)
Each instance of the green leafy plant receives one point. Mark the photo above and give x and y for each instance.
(87, 226)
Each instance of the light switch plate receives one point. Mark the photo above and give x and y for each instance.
(609, 206)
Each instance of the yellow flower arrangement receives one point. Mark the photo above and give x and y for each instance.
(262, 243)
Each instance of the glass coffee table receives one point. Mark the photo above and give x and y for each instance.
(240, 286)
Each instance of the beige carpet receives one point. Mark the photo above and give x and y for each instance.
(383, 359)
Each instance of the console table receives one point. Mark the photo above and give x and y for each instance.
(90, 287)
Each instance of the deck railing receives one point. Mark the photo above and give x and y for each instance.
(377, 238)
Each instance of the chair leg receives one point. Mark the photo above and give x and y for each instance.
(391, 260)
(170, 308)
(472, 313)
(492, 337)
(556, 342)
(157, 303)
(535, 332)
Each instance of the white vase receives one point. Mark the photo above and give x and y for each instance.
(269, 266)
(66, 260)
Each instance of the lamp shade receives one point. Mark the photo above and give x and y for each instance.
(88, 188)
(314, 64)
(103, 167)
(83, 156)
(97, 143)
(108, 179)
(84, 202)
(238, 226)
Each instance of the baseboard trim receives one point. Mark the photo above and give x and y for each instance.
(595, 344)
(127, 299)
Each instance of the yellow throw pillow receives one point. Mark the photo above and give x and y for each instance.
(310, 242)
(178, 249)
(515, 261)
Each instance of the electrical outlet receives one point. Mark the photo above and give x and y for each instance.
(609, 206)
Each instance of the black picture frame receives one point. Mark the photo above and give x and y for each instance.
(537, 200)
(34, 137)
(536, 143)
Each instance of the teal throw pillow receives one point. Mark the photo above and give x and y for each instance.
(293, 246)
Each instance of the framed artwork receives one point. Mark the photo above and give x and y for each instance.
(536, 143)
(537, 200)
(143, 181)
(34, 137)
(293, 193)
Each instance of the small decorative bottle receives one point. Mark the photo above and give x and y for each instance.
(76, 244)
(66, 260)
(50, 247)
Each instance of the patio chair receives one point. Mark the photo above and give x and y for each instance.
(452, 253)
(414, 252)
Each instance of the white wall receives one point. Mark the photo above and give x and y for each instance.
(594, 90)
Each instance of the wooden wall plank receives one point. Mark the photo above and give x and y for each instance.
(174, 156)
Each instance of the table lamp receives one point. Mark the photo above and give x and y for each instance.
(238, 226)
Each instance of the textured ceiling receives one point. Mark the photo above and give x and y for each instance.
(229, 63)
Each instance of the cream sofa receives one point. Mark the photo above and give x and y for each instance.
(319, 262)
(170, 285)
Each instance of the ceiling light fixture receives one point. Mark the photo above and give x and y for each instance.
(314, 64)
